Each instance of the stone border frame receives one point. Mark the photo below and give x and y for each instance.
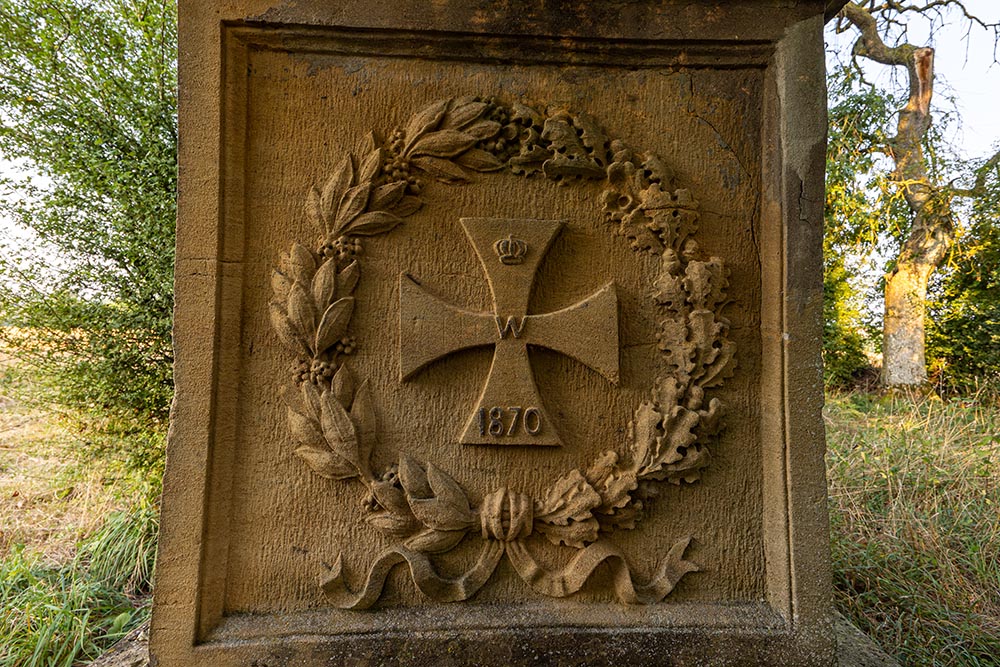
(792, 625)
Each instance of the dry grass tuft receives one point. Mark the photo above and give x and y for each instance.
(915, 510)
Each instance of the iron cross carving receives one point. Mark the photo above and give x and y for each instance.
(509, 410)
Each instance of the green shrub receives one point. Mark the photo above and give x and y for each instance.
(963, 328)
(88, 120)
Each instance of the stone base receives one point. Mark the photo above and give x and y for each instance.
(856, 649)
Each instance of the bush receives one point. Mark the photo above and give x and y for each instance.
(88, 118)
(963, 329)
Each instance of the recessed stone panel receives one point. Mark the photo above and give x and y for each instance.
(514, 337)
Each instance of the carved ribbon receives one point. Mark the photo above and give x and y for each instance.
(428, 581)
(561, 583)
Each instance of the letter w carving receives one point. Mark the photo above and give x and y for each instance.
(513, 325)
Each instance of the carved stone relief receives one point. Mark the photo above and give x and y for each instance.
(330, 411)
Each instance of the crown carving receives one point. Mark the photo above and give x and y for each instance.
(511, 250)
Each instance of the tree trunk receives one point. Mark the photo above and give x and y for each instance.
(931, 232)
(904, 363)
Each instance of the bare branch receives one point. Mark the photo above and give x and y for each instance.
(979, 187)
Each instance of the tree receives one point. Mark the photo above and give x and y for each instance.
(929, 197)
(88, 121)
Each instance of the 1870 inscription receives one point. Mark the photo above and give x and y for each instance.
(509, 410)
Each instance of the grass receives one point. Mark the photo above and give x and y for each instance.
(915, 511)
(77, 539)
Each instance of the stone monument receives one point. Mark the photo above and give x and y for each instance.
(497, 336)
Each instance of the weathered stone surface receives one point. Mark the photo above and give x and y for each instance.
(416, 239)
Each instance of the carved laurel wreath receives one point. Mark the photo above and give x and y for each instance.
(333, 420)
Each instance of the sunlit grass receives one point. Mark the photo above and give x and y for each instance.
(915, 512)
(77, 539)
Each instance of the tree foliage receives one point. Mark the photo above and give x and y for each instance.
(964, 323)
(88, 119)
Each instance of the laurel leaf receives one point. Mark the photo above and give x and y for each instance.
(304, 430)
(391, 498)
(363, 414)
(370, 166)
(442, 170)
(333, 325)
(434, 541)
(444, 143)
(376, 222)
(291, 398)
(424, 121)
(338, 429)
(325, 463)
(280, 285)
(299, 264)
(483, 130)
(479, 160)
(393, 524)
(386, 196)
(342, 386)
(347, 279)
(334, 189)
(448, 509)
(407, 206)
(311, 400)
(413, 478)
(302, 311)
(352, 205)
(286, 332)
(324, 283)
(464, 113)
(314, 211)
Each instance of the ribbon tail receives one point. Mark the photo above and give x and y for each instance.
(574, 575)
(426, 578)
